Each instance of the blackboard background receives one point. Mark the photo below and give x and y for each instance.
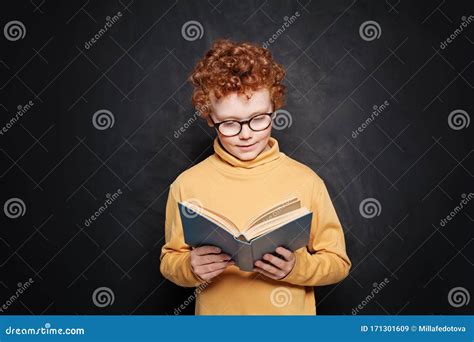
(409, 159)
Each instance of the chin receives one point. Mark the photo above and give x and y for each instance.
(246, 156)
(249, 155)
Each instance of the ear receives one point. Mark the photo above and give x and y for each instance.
(209, 120)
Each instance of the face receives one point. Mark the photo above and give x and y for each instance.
(247, 144)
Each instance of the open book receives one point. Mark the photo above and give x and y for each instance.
(286, 224)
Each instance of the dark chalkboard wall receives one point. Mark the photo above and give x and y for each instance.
(93, 92)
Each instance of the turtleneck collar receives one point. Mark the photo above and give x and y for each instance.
(271, 155)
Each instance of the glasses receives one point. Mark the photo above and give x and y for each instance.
(230, 128)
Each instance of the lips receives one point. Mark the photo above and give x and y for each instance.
(246, 145)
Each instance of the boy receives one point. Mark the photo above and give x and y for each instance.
(237, 87)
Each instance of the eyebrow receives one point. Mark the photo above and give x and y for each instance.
(251, 115)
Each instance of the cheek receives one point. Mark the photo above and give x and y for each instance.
(225, 140)
(228, 142)
(264, 134)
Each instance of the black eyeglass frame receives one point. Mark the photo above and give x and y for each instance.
(241, 123)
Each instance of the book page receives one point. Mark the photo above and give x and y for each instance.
(281, 208)
(222, 221)
(274, 223)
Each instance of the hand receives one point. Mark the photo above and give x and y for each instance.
(275, 267)
(208, 262)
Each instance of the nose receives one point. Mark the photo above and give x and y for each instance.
(245, 132)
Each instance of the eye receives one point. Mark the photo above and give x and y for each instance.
(229, 123)
(259, 118)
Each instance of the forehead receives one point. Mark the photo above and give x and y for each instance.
(240, 106)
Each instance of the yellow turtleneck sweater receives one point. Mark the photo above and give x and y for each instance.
(240, 190)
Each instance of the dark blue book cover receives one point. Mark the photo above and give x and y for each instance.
(200, 231)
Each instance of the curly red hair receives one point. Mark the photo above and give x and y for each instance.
(230, 67)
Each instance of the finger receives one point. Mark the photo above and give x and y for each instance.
(211, 258)
(211, 267)
(210, 275)
(207, 250)
(265, 273)
(267, 267)
(280, 263)
(285, 253)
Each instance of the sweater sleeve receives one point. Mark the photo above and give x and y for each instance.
(175, 255)
(324, 261)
